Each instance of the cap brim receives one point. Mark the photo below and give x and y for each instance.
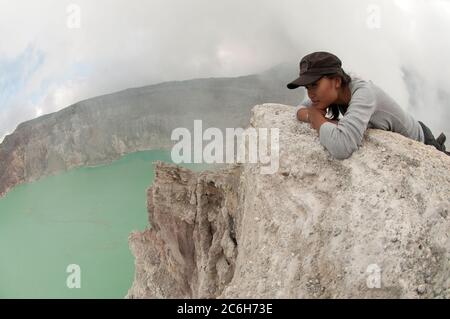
(303, 80)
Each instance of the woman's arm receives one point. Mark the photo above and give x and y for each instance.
(304, 115)
(343, 139)
(333, 121)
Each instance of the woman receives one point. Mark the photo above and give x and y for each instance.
(362, 103)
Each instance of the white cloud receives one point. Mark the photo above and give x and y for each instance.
(128, 44)
(38, 111)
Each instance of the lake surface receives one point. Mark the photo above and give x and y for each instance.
(80, 217)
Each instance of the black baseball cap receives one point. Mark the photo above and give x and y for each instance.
(315, 65)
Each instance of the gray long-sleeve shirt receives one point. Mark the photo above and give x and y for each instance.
(369, 107)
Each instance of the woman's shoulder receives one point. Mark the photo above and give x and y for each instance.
(359, 81)
(357, 77)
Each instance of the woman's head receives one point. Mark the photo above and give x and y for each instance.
(328, 89)
(322, 75)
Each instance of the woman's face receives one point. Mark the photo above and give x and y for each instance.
(323, 92)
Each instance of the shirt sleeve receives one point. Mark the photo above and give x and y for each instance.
(343, 139)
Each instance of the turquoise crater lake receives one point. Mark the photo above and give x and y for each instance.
(82, 217)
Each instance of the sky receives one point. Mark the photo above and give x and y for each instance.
(54, 53)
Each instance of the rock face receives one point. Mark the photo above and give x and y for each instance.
(191, 248)
(374, 225)
(102, 129)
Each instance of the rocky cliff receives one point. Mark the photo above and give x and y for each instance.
(101, 129)
(374, 225)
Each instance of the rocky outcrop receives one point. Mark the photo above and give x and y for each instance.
(102, 129)
(374, 225)
(191, 248)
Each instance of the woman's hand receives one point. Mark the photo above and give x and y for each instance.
(317, 117)
(314, 116)
(302, 115)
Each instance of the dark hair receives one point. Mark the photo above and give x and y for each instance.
(333, 109)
